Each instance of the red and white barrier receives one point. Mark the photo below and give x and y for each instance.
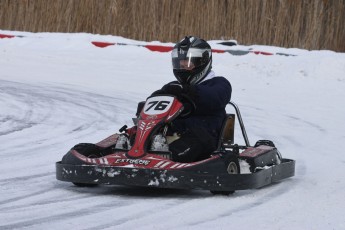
(162, 48)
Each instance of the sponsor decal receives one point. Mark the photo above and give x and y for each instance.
(133, 161)
(151, 117)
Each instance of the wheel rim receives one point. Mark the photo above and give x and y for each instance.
(232, 168)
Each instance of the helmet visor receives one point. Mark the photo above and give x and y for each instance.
(189, 59)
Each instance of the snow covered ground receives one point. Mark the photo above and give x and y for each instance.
(57, 90)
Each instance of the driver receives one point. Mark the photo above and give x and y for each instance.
(198, 131)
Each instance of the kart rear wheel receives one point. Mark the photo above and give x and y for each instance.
(224, 193)
(84, 184)
(233, 168)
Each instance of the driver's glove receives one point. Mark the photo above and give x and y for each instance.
(177, 90)
(181, 92)
(174, 89)
(191, 92)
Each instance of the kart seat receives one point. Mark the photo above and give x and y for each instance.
(226, 137)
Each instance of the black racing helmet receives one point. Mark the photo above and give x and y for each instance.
(191, 60)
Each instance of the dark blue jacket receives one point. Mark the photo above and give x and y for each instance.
(211, 99)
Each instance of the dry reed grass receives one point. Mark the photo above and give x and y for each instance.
(309, 24)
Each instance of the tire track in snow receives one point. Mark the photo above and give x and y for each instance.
(27, 113)
(110, 206)
(19, 109)
(23, 178)
(53, 196)
(280, 126)
(25, 196)
(34, 117)
(70, 214)
(27, 106)
(275, 191)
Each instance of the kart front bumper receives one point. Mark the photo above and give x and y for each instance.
(177, 179)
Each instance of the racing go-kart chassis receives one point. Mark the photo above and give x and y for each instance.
(231, 167)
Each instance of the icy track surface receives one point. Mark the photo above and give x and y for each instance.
(57, 90)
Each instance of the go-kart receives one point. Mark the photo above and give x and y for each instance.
(134, 162)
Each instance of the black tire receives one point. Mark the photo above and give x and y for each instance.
(264, 142)
(233, 167)
(223, 193)
(88, 150)
(84, 184)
